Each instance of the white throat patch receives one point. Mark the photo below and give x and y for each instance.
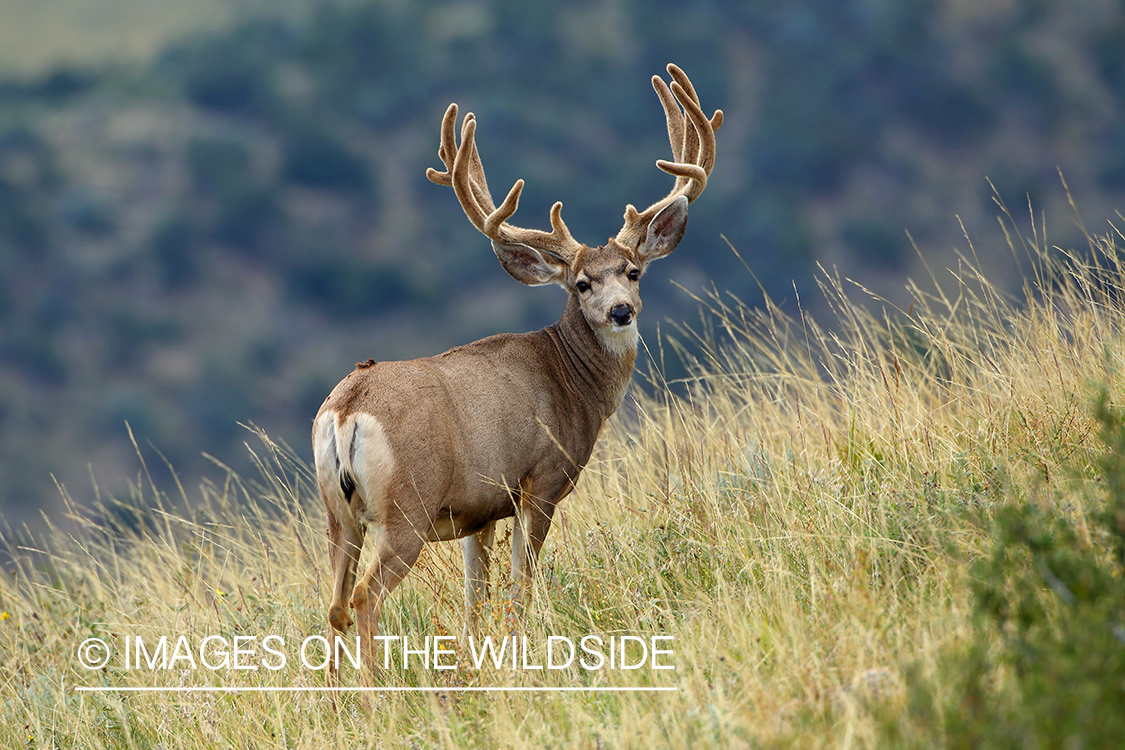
(619, 340)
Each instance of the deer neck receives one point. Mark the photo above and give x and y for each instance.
(595, 364)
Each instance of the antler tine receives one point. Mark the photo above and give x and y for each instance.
(672, 115)
(680, 77)
(465, 174)
(698, 151)
(447, 152)
(691, 135)
(447, 149)
(477, 204)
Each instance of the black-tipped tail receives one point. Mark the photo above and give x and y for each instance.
(347, 484)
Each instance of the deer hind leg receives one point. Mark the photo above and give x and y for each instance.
(476, 549)
(396, 551)
(345, 542)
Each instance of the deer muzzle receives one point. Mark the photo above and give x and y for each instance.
(621, 315)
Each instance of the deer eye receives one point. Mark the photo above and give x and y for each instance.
(634, 274)
(582, 286)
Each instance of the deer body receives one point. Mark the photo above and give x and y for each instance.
(441, 448)
(479, 448)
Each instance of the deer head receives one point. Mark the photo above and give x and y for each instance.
(604, 280)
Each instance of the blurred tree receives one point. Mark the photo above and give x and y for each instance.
(264, 185)
(315, 159)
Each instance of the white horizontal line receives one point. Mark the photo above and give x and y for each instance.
(391, 689)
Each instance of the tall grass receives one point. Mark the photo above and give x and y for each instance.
(801, 514)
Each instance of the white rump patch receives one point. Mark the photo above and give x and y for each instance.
(324, 452)
(357, 445)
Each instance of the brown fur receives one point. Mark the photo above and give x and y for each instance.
(443, 447)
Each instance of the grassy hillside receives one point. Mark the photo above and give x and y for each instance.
(823, 521)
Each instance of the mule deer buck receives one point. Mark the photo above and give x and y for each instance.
(442, 448)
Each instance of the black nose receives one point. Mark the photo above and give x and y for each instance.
(621, 315)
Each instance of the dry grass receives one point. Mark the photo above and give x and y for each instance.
(800, 517)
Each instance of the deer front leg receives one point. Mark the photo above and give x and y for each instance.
(529, 531)
(476, 549)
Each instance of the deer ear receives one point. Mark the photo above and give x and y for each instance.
(664, 231)
(528, 265)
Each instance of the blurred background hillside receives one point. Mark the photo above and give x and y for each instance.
(210, 210)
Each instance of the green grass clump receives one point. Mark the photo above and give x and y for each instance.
(903, 529)
(1047, 668)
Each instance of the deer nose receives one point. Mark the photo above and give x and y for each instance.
(621, 315)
